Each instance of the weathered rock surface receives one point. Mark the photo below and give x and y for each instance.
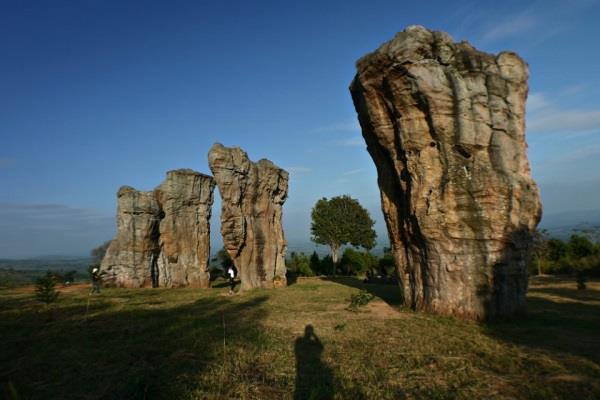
(444, 124)
(163, 237)
(128, 260)
(186, 199)
(252, 197)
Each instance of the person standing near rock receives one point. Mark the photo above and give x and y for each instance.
(96, 279)
(231, 276)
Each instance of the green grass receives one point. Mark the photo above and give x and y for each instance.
(203, 344)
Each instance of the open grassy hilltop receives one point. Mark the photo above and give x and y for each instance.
(300, 342)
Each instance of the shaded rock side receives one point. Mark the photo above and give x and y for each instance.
(186, 199)
(252, 196)
(445, 126)
(129, 258)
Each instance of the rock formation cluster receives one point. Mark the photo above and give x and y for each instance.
(445, 126)
(252, 197)
(163, 236)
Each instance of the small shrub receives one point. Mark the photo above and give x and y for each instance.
(45, 288)
(360, 299)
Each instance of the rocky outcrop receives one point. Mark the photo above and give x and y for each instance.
(444, 124)
(163, 237)
(130, 256)
(186, 199)
(252, 196)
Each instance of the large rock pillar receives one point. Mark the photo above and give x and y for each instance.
(445, 126)
(163, 236)
(186, 199)
(252, 196)
(130, 256)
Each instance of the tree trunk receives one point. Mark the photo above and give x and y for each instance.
(334, 256)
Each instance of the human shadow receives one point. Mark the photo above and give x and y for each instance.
(553, 325)
(136, 352)
(314, 380)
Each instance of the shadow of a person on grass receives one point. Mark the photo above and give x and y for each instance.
(314, 380)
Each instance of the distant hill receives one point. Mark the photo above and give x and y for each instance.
(562, 225)
(47, 262)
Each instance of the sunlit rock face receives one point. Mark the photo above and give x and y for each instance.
(445, 126)
(252, 196)
(163, 236)
(128, 260)
(186, 199)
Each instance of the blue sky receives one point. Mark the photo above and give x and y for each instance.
(99, 94)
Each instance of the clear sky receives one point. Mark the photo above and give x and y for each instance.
(99, 94)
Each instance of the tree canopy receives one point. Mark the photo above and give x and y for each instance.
(341, 221)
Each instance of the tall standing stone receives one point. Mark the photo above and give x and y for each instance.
(186, 199)
(128, 260)
(445, 126)
(163, 236)
(252, 196)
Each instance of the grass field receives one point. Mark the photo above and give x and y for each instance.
(300, 342)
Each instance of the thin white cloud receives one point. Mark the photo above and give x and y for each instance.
(353, 172)
(567, 121)
(351, 142)
(510, 26)
(30, 229)
(298, 170)
(581, 154)
(544, 116)
(576, 155)
(537, 101)
(344, 126)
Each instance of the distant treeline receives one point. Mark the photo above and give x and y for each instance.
(10, 277)
(579, 255)
(353, 263)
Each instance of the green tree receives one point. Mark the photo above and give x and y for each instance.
(315, 263)
(557, 249)
(341, 221)
(579, 247)
(540, 249)
(45, 288)
(326, 265)
(386, 263)
(223, 261)
(356, 262)
(299, 263)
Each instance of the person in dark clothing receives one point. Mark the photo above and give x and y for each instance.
(96, 280)
(231, 277)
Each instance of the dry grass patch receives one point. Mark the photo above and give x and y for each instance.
(295, 342)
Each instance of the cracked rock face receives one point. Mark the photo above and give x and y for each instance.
(129, 257)
(445, 126)
(252, 196)
(163, 237)
(186, 199)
